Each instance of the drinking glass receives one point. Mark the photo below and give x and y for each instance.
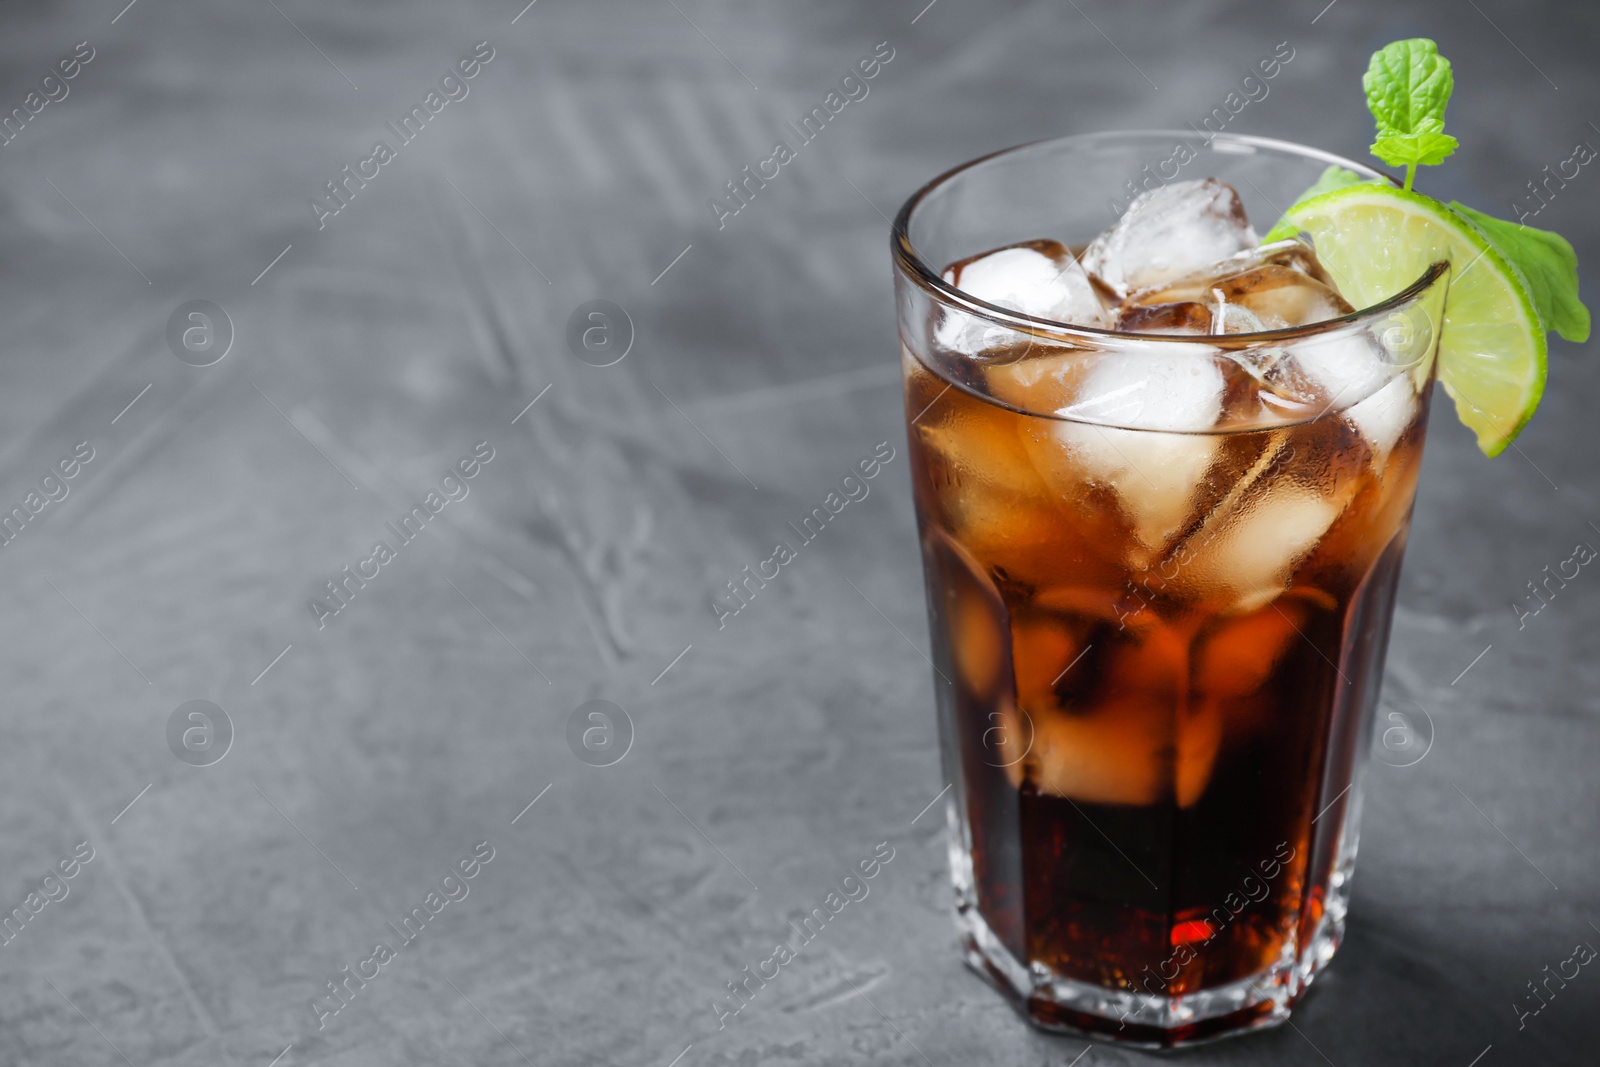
(1158, 644)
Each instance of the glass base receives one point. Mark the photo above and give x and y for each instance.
(1065, 1005)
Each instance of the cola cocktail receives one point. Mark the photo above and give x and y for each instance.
(1163, 476)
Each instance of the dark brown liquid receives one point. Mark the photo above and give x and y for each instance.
(1154, 738)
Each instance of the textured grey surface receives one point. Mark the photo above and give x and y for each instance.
(776, 752)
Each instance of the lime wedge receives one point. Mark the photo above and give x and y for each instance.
(1375, 240)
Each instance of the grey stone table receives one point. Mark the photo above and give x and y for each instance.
(369, 352)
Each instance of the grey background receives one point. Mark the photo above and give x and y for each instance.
(773, 754)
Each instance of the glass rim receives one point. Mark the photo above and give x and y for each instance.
(930, 279)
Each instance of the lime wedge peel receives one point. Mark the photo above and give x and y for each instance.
(1375, 240)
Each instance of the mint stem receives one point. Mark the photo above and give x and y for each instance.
(1411, 172)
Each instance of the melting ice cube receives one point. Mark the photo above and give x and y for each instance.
(1169, 232)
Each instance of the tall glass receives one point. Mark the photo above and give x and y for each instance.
(1157, 650)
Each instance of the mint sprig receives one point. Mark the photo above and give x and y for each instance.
(1408, 85)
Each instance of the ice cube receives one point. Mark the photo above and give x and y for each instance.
(1282, 296)
(1042, 648)
(1287, 389)
(1199, 729)
(1138, 744)
(1114, 758)
(1114, 755)
(1153, 476)
(1153, 454)
(969, 335)
(1235, 318)
(1169, 232)
(1043, 382)
(1038, 278)
(1294, 254)
(976, 639)
(1277, 296)
(1174, 387)
(1311, 376)
(1215, 316)
(974, 617)
(1342, 368)
(1236, 656)
(1383, 417)
(992, 490)
(1249, 551)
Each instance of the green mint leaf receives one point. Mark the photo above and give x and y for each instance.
(1414, 149)
(1335, 177)
(1408, 84)
(1547, 265)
